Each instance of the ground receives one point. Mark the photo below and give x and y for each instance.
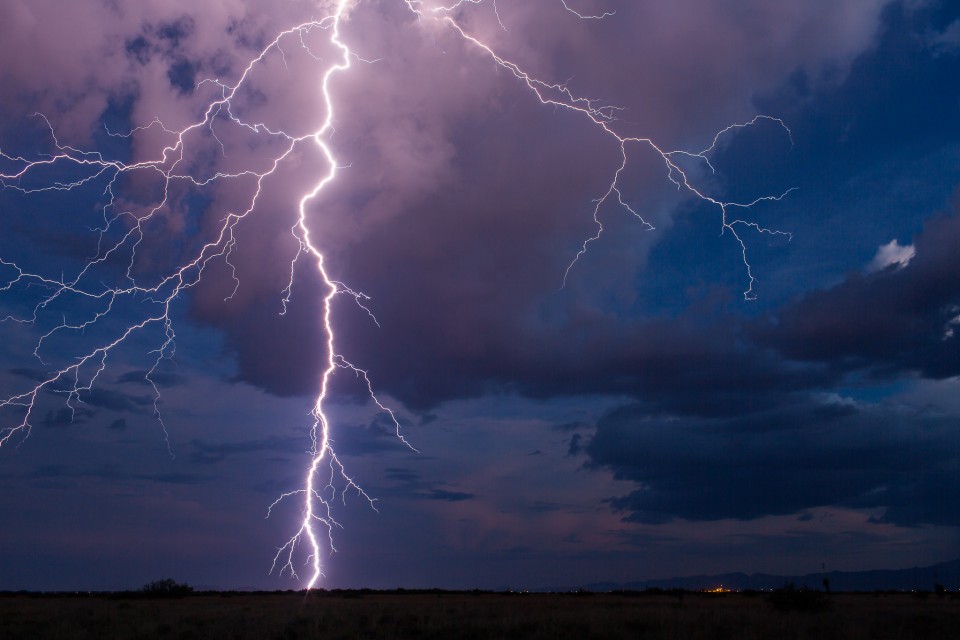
(367, 614)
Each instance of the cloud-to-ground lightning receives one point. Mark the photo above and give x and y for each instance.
(98, 303)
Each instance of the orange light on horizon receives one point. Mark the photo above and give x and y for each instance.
(719, 589)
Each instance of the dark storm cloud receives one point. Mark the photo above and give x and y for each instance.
(105, 398)
(899, 319)
(463, 262)
(373, 438)
(459, 214)
(818, 452)
(409, 485)
(67, 417)
(91, 54)
(575, 445)
(160, 378)
(188, 479)
(400, 475)
(593, 353)
(281, 367)
(539, 506)
(769, 450)
(31, 374)
(111, 473)
(447, 496)
(210, 453)
(99, 397)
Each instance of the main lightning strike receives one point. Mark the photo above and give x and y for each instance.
(320, 431)
(80, 377)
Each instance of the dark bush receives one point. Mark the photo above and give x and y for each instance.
(166, 588)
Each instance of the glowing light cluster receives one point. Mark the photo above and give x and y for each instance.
(325, 472)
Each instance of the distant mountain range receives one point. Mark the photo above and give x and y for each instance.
(917, 578)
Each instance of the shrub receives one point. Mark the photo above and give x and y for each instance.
(166, 588)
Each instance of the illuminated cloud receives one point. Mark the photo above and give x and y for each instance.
(891, 254)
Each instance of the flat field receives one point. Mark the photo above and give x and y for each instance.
(437, 614)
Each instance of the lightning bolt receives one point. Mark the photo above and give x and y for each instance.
(326, 478)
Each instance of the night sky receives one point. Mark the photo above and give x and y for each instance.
(645, 420)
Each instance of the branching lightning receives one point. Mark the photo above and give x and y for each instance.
(326, 478)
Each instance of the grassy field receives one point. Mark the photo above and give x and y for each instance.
(353, 614)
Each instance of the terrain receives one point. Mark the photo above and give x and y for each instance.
(786, 613)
